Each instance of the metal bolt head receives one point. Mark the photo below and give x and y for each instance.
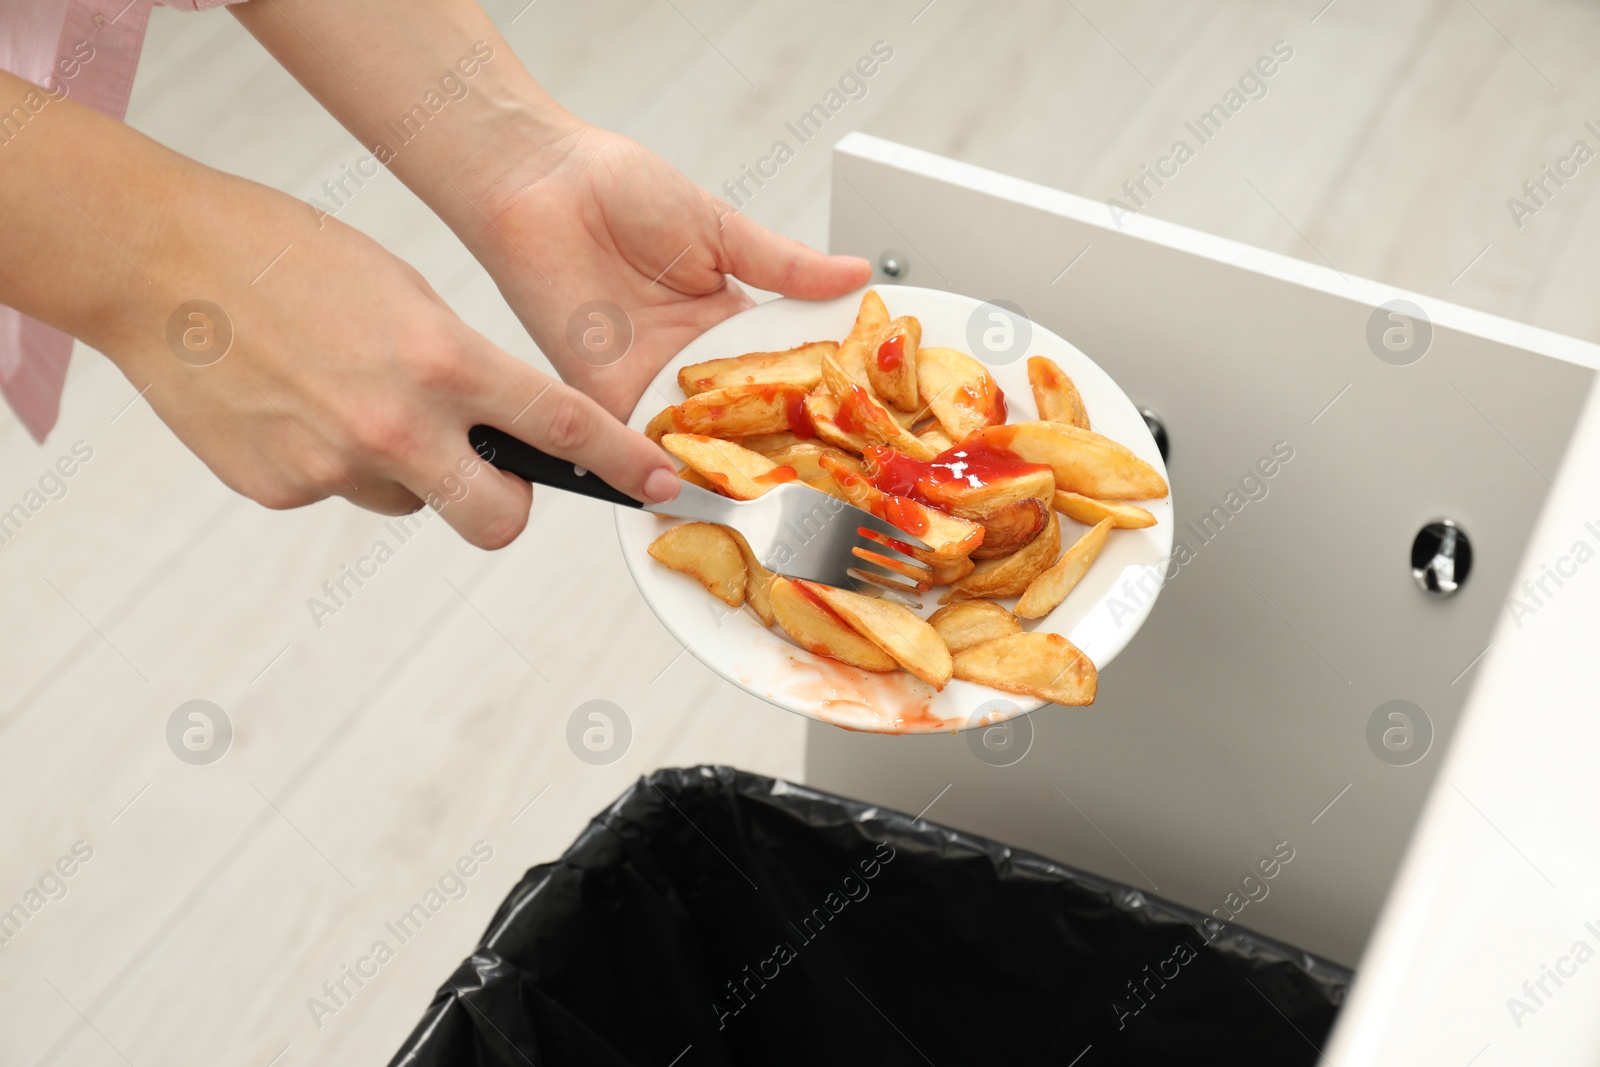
(1441, 558)
(891, 265)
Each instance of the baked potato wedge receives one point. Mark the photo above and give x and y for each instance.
(946, 536)
(1036, 664)
(948, 571)
(822, 408)
(758, 580)
(1088, 510)
(706, 553)
(806, 460)
(734, 470)
(741, 410)
(872, 318)
(935, 438)
(972, 622)
(900, 632)
(1084, 462)
(959, 390)
(768, 443)
(1009, 528)
(892, 363)
(1054, 394)
(662, 424)
(801, 366)
(998, 578)
(818, 629)
(1052, 586)
(861, 415)
(955, 494)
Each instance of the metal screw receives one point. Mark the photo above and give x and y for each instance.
(891, 265)
(1441, 558)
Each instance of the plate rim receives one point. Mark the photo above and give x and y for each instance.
(665, 381)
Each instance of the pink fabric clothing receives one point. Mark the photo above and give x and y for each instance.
(86, 50)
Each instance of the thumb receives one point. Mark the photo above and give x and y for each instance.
(779, 264)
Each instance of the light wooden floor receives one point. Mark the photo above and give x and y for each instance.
(431, 712)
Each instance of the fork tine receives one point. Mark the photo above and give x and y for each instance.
(914, 572)
(866, 587)
(867, 520)
(884, 547)
(886, 579)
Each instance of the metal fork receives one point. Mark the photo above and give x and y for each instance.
(793, 529)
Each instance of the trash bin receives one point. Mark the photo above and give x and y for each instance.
(713, 917)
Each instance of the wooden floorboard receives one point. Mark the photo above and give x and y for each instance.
(429, 712)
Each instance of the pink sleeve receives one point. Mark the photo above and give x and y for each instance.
(84, 50)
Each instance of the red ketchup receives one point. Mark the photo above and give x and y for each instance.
(799, 419)
(777, 476)
(898, 511)
(849, 416)
(902, 513)
(891, 353)
(970, 466)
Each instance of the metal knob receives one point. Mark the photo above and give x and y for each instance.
(892, 265)
(1441, 558)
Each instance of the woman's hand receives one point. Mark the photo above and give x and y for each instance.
(348, 376)
(561, 214)
(317, 365)
(592, 216)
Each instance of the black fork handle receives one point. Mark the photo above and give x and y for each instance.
(541, 468)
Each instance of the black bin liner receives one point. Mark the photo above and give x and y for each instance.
(713, 917)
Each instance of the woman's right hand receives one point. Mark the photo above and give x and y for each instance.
(347, 375)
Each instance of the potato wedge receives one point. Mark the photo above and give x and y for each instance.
(860, 414)
(899, 631)
(936, 439)
(837, 380)
(1036, 664)
(960, 391)
(695, 478)
(758, 580)
(806, 459)
(661, 425)
(946, 572)
(947, 485)
(1009, 576)
(733, 469)
(822, 408)
(817, 628)
(799, 366)
(1052, 586)
(707, 554)
(892, 364)
(872, 318)
(1010, 528)
(829, 486)
(972, 622)
(1087, 510)
(946, 536)
(741, 410)
(1084, 462)
(1054, 393)
(768, 443)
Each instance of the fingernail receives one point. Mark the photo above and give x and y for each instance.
(661, 486)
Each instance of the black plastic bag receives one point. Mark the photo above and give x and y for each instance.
(713, 917)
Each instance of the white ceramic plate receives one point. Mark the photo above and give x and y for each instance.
(1100, 616)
